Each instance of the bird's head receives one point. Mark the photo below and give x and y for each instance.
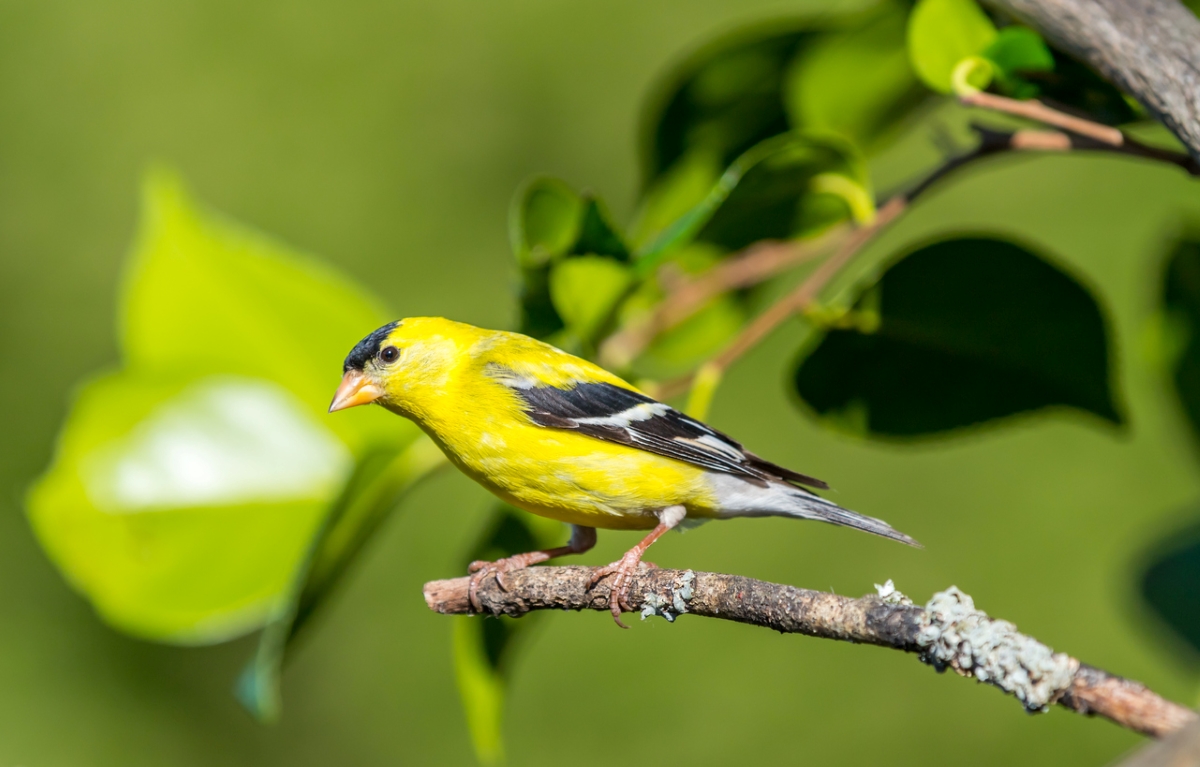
(395, 361)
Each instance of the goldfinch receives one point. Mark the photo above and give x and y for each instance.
(560, 437)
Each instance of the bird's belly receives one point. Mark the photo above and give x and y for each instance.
(577, 479)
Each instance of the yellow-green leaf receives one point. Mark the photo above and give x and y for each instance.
(584, 291)
(203, 294)
(182, 507)
(941, 34)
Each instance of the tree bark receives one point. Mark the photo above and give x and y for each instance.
(947, 633)
(1150, 49)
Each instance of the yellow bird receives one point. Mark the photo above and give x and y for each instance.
(560, 437)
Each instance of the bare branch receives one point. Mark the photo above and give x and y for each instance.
(798, 300)
(756, 264)
(1078, 132)
(947, 633)
(1148, 48)
(1033, 109)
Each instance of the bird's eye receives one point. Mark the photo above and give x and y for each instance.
(389, 354)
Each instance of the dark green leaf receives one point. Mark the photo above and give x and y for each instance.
(1181, 306)
(597, 235)
(957, 333)
(768, 192)
(773, 198)
(539, 318)
(725, 98)
(1169, 585)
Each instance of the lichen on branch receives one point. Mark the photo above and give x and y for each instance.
(948, 632)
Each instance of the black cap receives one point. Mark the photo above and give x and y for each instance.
(368, 347)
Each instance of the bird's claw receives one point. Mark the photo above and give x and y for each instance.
(618, 595)
(480, 569)
(479, 573)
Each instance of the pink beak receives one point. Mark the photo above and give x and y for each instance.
(356, 389)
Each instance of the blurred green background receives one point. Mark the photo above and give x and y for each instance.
(388, 138)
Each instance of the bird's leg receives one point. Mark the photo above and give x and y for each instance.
(625, 567)
(582, 539)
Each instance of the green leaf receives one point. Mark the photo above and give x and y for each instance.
(544, 221)
(766, 193)
(944, 33)
(773, 195)
(857, 83)
(550, 223)
(380, 480)
(185, 489)
(1181, 311)
(1016, 52)
(484, 647)
(724, 98)
(181, 508)
(1168, 585)
(957, 333)
(585, 290)
(680, 189)
(203, 294)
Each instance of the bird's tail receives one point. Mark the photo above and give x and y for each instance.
(740, 498)
(809, 506)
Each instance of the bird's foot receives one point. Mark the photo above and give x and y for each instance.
(624, 569)
(481, 569)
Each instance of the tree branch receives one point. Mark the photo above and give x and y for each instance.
(1148, 48)
(757, 263)
(947, 633)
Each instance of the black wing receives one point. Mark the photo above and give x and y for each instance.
(615, 414)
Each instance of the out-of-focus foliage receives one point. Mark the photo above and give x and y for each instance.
(1169, 586)
(1074, 86)
(571, 261)
(189, 485)
(381, 477)
(957, 333)
(725, 98)
(856, 81)
(942, 34)
(483, 649)
(1170, 577)
(1180, 325)
(231, 343)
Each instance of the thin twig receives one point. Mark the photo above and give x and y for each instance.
(948, 633)
(1080, 133)
(797, 301)
(752, 266)
(992, 142)
(1032, 109)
